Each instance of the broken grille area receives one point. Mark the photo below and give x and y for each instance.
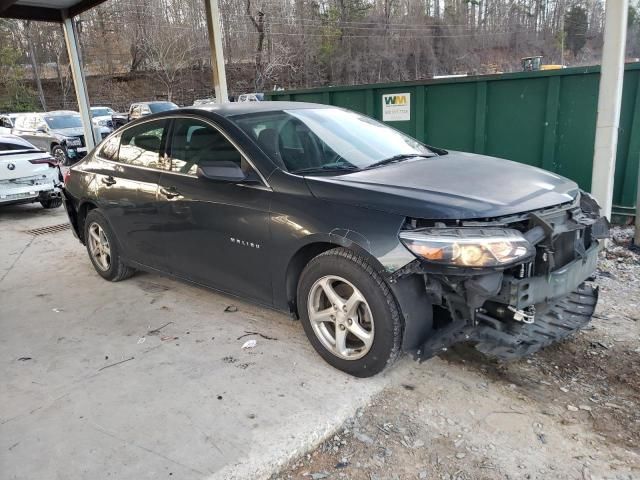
(50, 229)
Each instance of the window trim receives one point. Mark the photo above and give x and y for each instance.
(219, 130)
(167, 144)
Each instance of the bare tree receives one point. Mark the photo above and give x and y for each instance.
(258, 24)
(167, 56)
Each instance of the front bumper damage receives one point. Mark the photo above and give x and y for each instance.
(513, 312)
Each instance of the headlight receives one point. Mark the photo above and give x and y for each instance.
(102, 123)
(468, 247)
(74, 142)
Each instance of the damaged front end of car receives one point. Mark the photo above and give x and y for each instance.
(509, 285)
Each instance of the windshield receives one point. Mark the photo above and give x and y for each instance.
(101, 112)
(57, 122)
(327, 139)
(162, 107)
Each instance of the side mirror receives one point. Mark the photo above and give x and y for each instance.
(41, 129)
(224, 171)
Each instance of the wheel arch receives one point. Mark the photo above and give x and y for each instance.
(83, 209)
(311, 249)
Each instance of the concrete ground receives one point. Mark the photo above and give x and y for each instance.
(186, 402)
(147, 379)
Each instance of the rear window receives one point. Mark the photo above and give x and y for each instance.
(8, 145)
(162, 106)
(110, 148)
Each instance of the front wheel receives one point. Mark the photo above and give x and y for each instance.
(348, 313)
(60, 154)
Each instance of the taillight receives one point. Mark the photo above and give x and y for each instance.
(50, 160)
(66, 176)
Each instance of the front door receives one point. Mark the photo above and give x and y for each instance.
(215, 232)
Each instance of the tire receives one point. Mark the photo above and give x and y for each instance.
(108, 265)
(58, 152)
(51, 203)
(376, 318)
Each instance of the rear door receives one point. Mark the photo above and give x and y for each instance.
(214, 232)
(127, 170)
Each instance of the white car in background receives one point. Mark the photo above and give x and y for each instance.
(27, 175)
(102, 119)
(6, 122)
(251, 97)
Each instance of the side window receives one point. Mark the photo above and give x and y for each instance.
(195, 143)
(110, 148)
(141, 144)
(28, 122)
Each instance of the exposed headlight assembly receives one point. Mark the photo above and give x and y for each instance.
(468, 247)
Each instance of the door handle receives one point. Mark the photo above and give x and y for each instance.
(109, 180)
(170, 192)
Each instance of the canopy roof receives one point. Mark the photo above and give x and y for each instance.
(45, 10)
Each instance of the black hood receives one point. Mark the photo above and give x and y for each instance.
(453, 186)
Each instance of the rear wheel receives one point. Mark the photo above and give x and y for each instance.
(60, 154)
(348, 313)
(51, 203)
(103, 248)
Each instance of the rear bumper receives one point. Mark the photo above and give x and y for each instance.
(72, 213)
(19, 193)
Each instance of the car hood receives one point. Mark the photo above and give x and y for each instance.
(453, 186)
(69, 132)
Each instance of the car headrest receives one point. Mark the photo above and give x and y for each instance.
(206, 139)
(147, 142)
(268, 141)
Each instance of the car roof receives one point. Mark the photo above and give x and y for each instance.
(234, 108)
(60, 113)
(7, 137)
(149, 103)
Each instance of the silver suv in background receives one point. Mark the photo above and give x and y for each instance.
(59, 133)
(27, 174)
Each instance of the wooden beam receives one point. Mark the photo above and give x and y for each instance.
(38, 14)
(4, 4)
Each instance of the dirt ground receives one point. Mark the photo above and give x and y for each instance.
(571, 411)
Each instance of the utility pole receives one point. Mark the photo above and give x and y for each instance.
(217, 55)
(71, 40)
(609, 103)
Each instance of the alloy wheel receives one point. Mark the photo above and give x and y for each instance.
(340, 317)
(60, 156)
(99, 247)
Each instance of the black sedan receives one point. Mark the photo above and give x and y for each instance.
(378, 243)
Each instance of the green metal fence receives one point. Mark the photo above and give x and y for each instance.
(545, 118)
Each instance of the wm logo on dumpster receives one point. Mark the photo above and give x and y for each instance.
(396, 107)
(395, 100)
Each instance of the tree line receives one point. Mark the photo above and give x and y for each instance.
(160, 49)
